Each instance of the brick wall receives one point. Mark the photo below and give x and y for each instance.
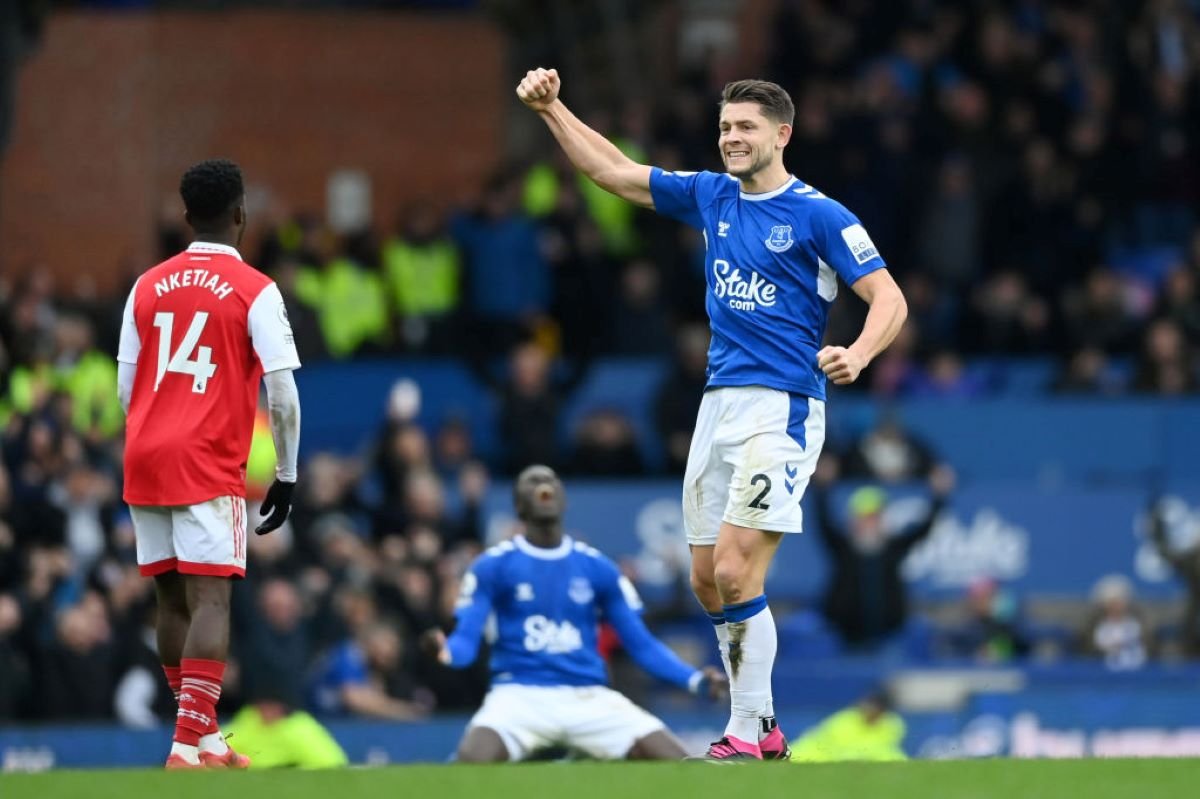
(114, 106)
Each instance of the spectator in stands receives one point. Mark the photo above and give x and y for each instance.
(1117, 630)
(1096, 314)
(574, 247)
(888, 453)
(865, 598)
(88, 376)
(86, 499)
(991, 633)
(279, 734)
(944, 376)
(349, 297)
(409, 590)
(422, 505)
(606, 446)
(1180, 300)
(276, 642)
(639, 326)
(508, 281)
(529, 410)
(932, 310)
(403, 453)
(77, 670)
(344, 551)
(1008, 319)
(1166, 365)
(363, 677)
(678, 398)
(31, 315)
(1186, 564)
(949, 237)
(421, 265)
(1088, 371)
(868, 731)
(329, 486)
(453, 447)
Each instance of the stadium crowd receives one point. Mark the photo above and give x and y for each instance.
(1030, 171)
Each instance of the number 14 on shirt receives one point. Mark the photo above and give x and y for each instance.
(201, 369)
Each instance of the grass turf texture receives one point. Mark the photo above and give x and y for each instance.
(1003, 779)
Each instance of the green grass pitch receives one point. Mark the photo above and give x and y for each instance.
(1002, 779)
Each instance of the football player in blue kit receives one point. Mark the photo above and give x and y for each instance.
(776, 248)
(549, 683)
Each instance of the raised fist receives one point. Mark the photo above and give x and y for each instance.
(539, 88)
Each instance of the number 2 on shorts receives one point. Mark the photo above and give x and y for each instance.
(757, 503)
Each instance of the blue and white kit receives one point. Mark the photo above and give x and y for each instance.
(549, 682)
(772, 267)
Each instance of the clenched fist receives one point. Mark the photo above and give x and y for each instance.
(539, 88)
(840, 364)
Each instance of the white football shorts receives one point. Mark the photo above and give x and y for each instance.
(207, 539)
(753, 452)
(595, 720)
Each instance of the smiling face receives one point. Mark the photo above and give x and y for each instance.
(749, 141)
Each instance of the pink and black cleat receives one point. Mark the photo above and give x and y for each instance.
(731, 750)
(774, 745)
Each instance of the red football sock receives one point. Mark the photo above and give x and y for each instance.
(174, 679)
(200, 691)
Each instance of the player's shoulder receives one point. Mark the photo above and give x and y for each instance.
(583, 550)
(815, 203)
(705, 182)
(249, 277)
(496, 552)
(494, 558)
(593, 558)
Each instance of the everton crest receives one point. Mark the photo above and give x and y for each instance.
(780, 239)
(581, 590)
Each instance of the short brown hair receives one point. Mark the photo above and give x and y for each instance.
(776, 104)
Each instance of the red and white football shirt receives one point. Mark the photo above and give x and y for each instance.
(202, 328)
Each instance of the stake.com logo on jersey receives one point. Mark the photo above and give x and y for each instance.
(744, 294)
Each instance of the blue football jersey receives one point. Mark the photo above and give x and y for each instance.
(772, 266)
(548, 604)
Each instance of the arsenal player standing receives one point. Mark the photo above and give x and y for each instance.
(199, 331)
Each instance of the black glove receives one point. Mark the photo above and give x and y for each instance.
(277, 503)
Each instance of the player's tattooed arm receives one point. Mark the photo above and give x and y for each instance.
(592, 154)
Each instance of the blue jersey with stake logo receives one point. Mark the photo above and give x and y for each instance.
(547, 605)
(772, 266)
